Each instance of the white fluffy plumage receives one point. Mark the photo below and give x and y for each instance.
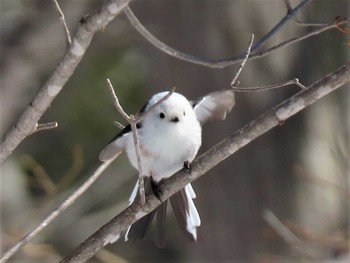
(170, 136)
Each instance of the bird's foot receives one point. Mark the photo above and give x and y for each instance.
(156, 190)
(187, 167)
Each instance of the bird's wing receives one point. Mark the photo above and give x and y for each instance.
(116, 146)
(214, 106)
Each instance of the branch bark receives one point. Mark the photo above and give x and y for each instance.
(210, 159)
(42, 100)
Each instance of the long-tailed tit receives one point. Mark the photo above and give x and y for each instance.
(169, 138)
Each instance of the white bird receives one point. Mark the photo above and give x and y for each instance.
(169, 138)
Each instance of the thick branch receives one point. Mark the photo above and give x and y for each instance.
(210, 159)
(42, 100)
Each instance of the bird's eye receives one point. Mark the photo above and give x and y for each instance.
(161, 115)
(184, 113)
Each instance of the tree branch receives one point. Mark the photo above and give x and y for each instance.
(42, 100)
(288, 236)
(210, 159)
(45, 126)
(294, 81)
(63, 21)
(235, 78)
(68, 202)
(222, 63)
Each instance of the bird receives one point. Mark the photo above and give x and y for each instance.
(169, 135)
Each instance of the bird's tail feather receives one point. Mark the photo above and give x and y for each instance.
(184, 210)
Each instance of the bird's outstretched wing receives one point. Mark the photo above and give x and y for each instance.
(214, 106)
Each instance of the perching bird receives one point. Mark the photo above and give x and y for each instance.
(169, 138)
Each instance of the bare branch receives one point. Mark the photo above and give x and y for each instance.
(289, 9)
(287, 235)
(222, 63)
(116, 102)
(133, 123)
(139, 160)
(52, 216)
(45, 126)
(299, 171)
(235, 78)
(40, 175)
(47, 93)
(294, 81)
(133, 120)
(140, 117)
(294, 40)
(63, 21)
(291, 13)
(209, 159)
(119, 125)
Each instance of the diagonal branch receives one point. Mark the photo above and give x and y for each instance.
(47, 93)
(210, 159)
(52, 216)
(291, 13)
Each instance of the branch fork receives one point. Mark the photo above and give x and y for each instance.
(133, 120)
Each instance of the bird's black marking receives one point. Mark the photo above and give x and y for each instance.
(187, 167)
(156, 190)
(127, 128)
(195, 103)
(143, 109)
(175, 119)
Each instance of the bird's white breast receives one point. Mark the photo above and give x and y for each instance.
(165, 149)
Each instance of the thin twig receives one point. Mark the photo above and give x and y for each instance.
(63, 20)
(116, 102)
(294, 81)
(208, 62)
(235, 78)
(222, 63)
(119, 125)
(289, 9)
(300, 171)
(210, 159)
(288, 236)
(133, 120)
(45, 126)
(281, 229)
(283, 21)
(68, 202)
(335, 243)
(40, 175)
(74, 170)
(140, 117)
(133, 123)
(293, 40)
(25, 125)
(138, 158)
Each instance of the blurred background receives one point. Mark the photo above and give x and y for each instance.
(298, 171)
